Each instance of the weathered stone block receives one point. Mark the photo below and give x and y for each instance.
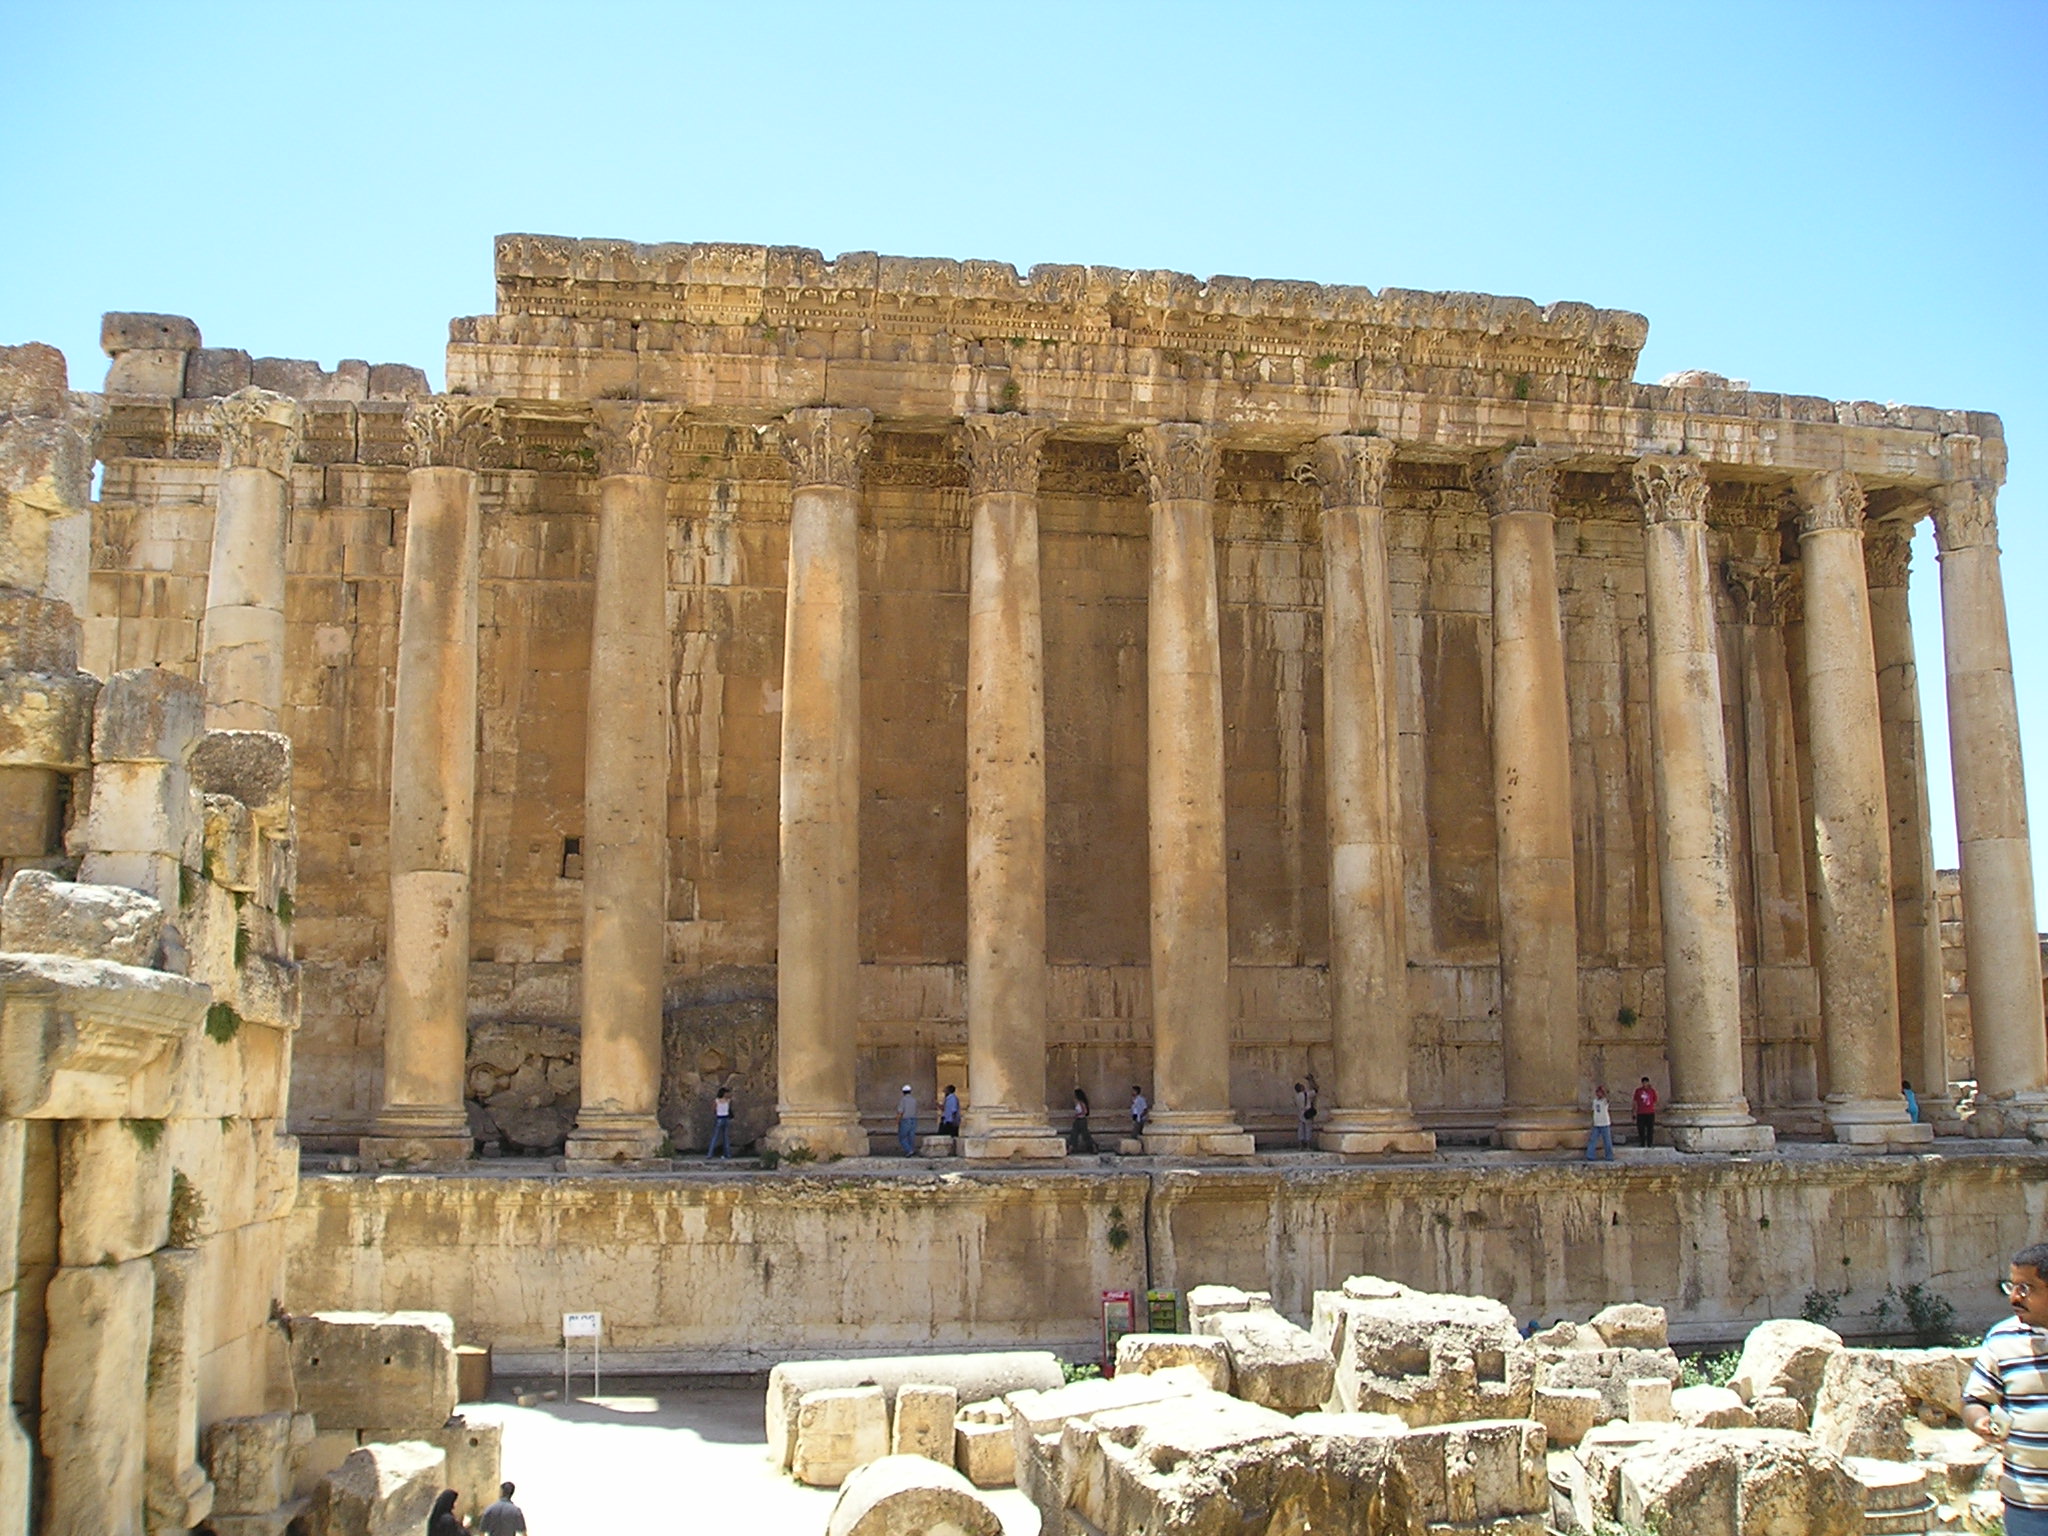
(95, 1390)
(126, 331)
(1038, 1419)
(1862, 1407)
(1649, 1400)
(905, 1495)
(114, 1190)
(230, 843)
(398, 381)
(1785, 1355)
(177, 1491)
(148, 715)
(255, 767)
(837, 1430)
(983, 1448)
(1206, 1301)
(250, 1462)
(1465, 1474)
(923, 1421)
(1431, 1359)
(379, 1490)
(363, 1368)
(45, 915)
(475, 1453)
(1139, 1354)
(1774, 1410)
(1274, 1363)
(1710, 1408)
(37, 634)
(1751, 1482)
(1608, 1372)
(973, 1376)
(46, 720)
(1631, 1325)
(212, 372)
(1566, 1413)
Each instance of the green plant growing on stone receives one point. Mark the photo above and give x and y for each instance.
(227, 1124)
(188, 1211)
(284, 907)
(222, 1023)
(1522, 383)
(242, 944)
(1010, 397)
(147, 1133)
(1821, 1306)
(1086, 1370)
(1625, 1017)
(1715, 1370)
(798, 1155)
(1119, 1234)
(1930, 1317)
(770, 1158)
(188, 886)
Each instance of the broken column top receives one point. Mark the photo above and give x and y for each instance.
(178, 365)
(123, 331)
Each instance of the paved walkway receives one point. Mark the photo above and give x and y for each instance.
(656, 1455)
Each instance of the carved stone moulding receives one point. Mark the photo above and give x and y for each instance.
(1887, 553)
(1351, 471)
(635, 438)
(1003, 452)
(826, 444)
(1520, 480)
(1670, 489)
(1179, 459)
(1831, 499)
(258, 430)
(453, 431)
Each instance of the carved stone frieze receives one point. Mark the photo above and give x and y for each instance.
(258, 430)
(452, 431)
(1003, 453)
(1095, 470)
(635, 438)
(1887, 553)
(826, 444)
(1521, 480)
(1763, 593)
(1671, 490)
(1966, 515)
(1179, 459)
(1831, 499)
(1351, 471)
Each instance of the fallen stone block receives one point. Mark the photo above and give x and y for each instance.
(1465, 1475)
(254, 767)
(1273, 1363)
(1708, 1407)
(1896, 1498)
(379, 1490)
(973, 1376)
(41, 914)
(923, 1421)
(1140, 1354)
(1743, 1482)
(1039, 1419)
(147, 715)
(357, 1369)
(1649, 1400)
(250, 1462)
(1774, 1410)
(837, 1430)
(46, 719)
(1608, 1372)
(984, 1450)
(1206, 1301)
(1431, 1359)
(1863, 1407)
(1631, 1325)
(475, 1452)
(1785, 1355)
(1566, 1413)
(911, 1496)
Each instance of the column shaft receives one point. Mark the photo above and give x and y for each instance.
(2002, 954)
(1695, 833)
(1006, 1112)
(1858, 953)
(1184, 801)
(1923, 1051)
(818, 911)
(1532, 790)
(625, 797)
(1369, 1015)
(241, 645)
(433, 794)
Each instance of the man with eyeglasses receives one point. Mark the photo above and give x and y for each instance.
(2006, 1399)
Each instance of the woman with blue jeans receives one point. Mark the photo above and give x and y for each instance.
(1603, 1127)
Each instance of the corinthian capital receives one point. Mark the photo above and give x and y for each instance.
(1521, 480)
(1832, 499)
(634, 438)
(1352, 471)
(1671, 490)
(1763, 593)
(1179, 459)
(1887, 554)
(826, 444)
(258, 430)
(1966, 515)
(452, 431)
(1002, 452)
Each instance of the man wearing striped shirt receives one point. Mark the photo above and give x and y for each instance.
(2006, 1400)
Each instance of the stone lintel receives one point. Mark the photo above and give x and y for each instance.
(76, 1035)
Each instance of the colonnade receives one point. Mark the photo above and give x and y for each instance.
(1872, 878)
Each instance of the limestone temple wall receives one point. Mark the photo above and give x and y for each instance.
(1156, 502)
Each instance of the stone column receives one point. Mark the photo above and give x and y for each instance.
(1695, 829)
(817, 928)
(433, 791)
(241, 638)
(2002, 956)
(1184, 800)
(625, 792)
(1858, 955)
(1923, 1049)
(1005, 1115)
(1369, 1019)
(1532, 812)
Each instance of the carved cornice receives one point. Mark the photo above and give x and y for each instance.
(1671, 490)
(1351, 471)
(1966, 515)
(452, 431)
(1763, 594)
(1832, 499)
(1521, 480)
(1002, 452)
(258, 430)
(1179, 460)
(635, 438)
(825, 445)
(1887, 553)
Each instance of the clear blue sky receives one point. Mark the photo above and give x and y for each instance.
(1841, 200)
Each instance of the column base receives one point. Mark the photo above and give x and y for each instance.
(824, 1136)
(1542, 1130)
(1369, 1133)
(607, 1139)
(1874, 1124)
(2020, 1115)
(417, 1136)
(1731, 1137)
(992, 1133)
(1196, 1133)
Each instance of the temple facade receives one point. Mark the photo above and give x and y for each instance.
(818, 676)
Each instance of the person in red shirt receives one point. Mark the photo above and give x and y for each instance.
(1646, 1112)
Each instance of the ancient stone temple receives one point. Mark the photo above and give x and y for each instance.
(821, 676)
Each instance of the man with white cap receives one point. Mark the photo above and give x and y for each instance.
(906, 1121)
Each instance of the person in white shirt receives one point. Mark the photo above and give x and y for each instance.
(1603, 1127)
(721, 1125)
(1140, 1108)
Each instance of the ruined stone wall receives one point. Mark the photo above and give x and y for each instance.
(726, 546)
(733, 1273)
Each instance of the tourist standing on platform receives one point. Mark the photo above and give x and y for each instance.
(1305, 1112)
(1083, 1141)
(1140, 1108)
(949, 1113)
(503, 1518)
(2005, 1400)
(721, 1124)
(906, 1121)
(1646, 1113)
(1603, 1127)
(1912, 1102)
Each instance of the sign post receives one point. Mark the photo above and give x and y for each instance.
(584, 1325)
